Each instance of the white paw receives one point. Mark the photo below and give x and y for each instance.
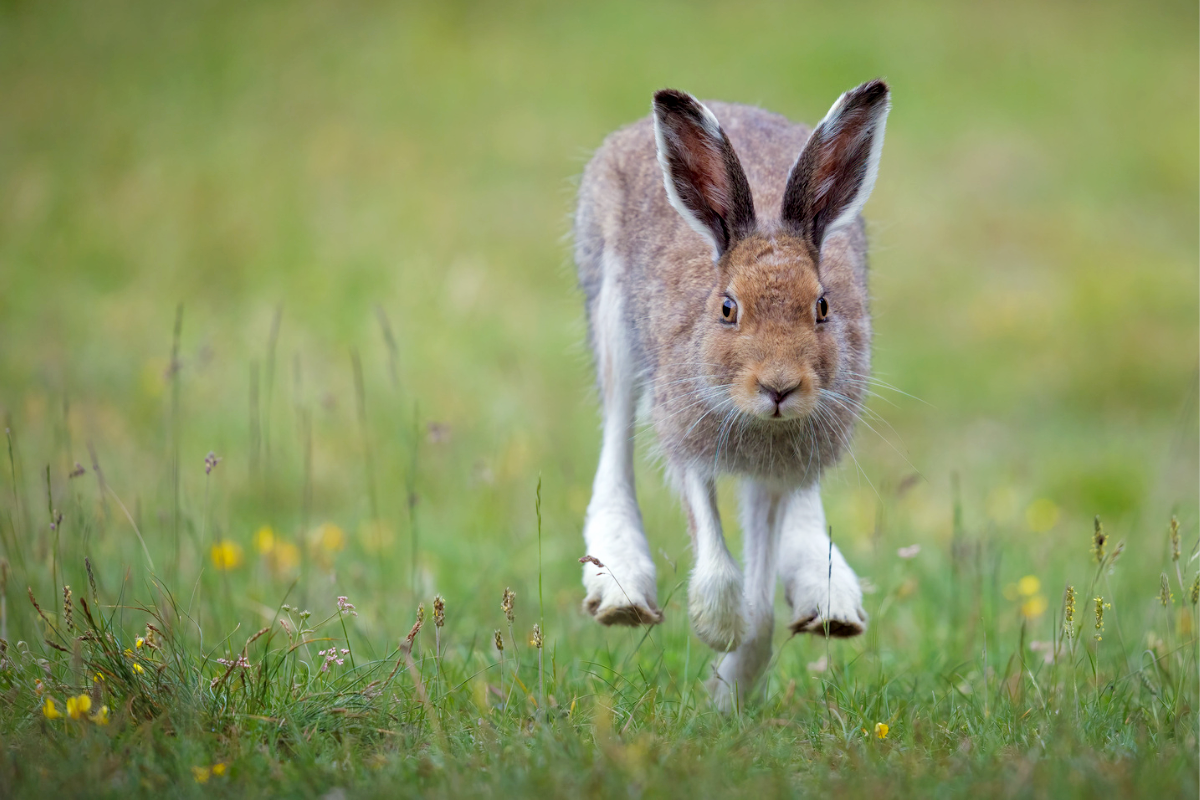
(735, 679)
(825, 603)
(726, 696)
(622, 591)
(715, 604)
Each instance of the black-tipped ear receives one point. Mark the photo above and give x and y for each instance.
(704, 179)
(833, 177)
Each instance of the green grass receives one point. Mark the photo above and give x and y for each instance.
(362, 213)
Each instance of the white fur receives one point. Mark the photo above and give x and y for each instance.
(613, 528)
(715, 589)
(711, 127)
(736, 675)
(817, 581)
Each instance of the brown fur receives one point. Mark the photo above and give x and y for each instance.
(673, 295)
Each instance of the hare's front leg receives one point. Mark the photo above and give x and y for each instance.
(715, 589)
(737, 674)
(623, 591)
(820, 586)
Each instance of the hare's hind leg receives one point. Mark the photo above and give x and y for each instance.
(737, 674)
(623, 591)
(818, 583)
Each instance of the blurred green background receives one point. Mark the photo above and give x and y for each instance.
(1034, 280)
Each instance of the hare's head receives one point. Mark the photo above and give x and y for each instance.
(771, 336)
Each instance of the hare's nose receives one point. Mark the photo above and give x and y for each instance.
(776, 394)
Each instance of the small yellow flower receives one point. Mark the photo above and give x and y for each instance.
(226, 555)
(138, 668)
(218, 769)
(101, 716)
(285, 557)
(49, 711)
(331, 538)
(881, 730)
(78, 707)
(201, 774)
(264, 539)
(139, 642)
(99, 677)
(1034, 607)
(1028, 586)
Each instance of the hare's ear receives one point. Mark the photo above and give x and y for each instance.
(834, 174)
(703, 176)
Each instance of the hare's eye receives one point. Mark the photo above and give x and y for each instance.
(822, 309)
(729, 310)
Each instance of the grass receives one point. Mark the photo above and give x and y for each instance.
(327, 245)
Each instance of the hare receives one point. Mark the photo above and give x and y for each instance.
(724, 269)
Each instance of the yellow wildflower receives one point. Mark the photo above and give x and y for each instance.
(78, 707)
(1028, 586)
(138, 642)
(101, 716)
(138, 668)
(99, 677)
(226, 555)
(201, 774)
(285, 557)
(218, 769)
(264, 539)
(881, 730)
(1034, 607)
(49, 711)
(331, 538)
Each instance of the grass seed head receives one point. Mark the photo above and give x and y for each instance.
(1098, 540)
(1069, 613)
(68, 609)
(1164, 591)
(1117, 551)
(1175, 542)
(499, 640)
(1194, 592)
(1100, 606)
(508, 604)
(87, 562)
(416, 628)
(439, 610)
(536, 638)
(210, 462)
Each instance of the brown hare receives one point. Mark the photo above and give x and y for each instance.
(723, 260)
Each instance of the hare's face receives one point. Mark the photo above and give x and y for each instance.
(772, 328)
(769, 329)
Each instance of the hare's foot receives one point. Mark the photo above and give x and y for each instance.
(826, 601)
(735, 676)
(715, 603)
(621, 589)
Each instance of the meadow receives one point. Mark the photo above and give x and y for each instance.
(295, 390)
